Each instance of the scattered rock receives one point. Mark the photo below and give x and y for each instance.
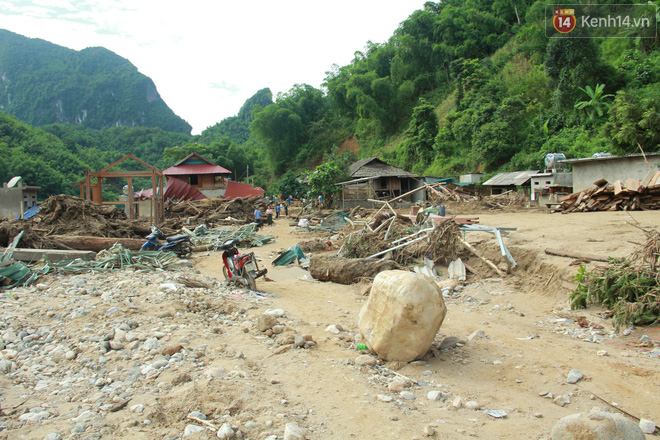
(366, 360)
(562, 400)
(574, 376)
(293, 432)
(226, 432)
(181, 378)
(429, 431)
(647, 426)
(266, 322)
(171, 349)
(596, 425)
(335, 329)
(192, 430)
(434, 395)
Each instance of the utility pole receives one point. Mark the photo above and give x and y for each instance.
(248, 173)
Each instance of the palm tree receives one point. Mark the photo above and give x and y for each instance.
(596, 104)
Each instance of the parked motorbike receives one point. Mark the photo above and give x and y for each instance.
(240, 268)
(179, 244)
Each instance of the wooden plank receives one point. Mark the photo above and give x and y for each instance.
(618, 187)
(655, 180)
(647, 179)
(600, 182)
(633, 184)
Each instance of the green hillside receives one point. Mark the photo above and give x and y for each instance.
(460, 86)
(42, 83)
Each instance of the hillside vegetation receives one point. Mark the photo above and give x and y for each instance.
(461, 86)
(42, 83)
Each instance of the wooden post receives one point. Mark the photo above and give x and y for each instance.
(131, 206)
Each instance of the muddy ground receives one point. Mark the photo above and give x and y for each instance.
(527, 351)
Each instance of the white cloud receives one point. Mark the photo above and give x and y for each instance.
(207, 57)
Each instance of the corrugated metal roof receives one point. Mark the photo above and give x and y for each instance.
(594, 159)
(238, 189)
(517, 178)
(195, 169)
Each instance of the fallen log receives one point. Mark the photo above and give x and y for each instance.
(96, 244)
(347, 271)
(576, 255)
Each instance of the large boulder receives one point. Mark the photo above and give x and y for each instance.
(596, 425)
(402, 316)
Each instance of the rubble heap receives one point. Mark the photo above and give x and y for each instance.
(68, 215)
(211, 211)
(632, 195)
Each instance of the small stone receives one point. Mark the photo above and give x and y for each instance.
(298, 341)
(429, 431)
(366, 360)
(562, 400)
(266, 322)
(334, 329)
(574, 376)
(397, 385)
(171, 349)
(538, 415)
(5, 366)
(53, 436)
(226, 432)
(601, 352)
(192, 430)
(647, 426)
(279, 313)
(181, 378)
(116, 345)
(34, 415)
(293, 432)
(407, 395)
(385, 398)
(457, 402)
(472, 404)
(434, 395)
(596, 425)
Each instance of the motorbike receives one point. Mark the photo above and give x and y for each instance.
(240, 268)
(179, 244)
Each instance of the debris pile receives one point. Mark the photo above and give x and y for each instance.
(211, 211)
(68, 215)
(629, 287)
(631, 195)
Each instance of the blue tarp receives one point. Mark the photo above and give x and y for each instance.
(30, 212)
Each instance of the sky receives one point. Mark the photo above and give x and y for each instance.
(207, 57)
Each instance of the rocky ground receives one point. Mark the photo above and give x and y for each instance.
(140, 355)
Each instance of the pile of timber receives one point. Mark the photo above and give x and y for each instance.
(631, 195)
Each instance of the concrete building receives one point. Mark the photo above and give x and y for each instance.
(18, 199)
(548, 187)
(633, 166)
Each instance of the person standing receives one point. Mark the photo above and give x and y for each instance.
(277, 210)
(257, 216)
(286, 210)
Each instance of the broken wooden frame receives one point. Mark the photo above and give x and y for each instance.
(497, 231)
(93, 191)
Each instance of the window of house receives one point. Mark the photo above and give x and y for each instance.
(548, 182)
(194, 179)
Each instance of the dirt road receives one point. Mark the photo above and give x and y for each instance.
(525, 355)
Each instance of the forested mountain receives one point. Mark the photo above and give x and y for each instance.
(468, 85)
(42, 83)
(461, 86)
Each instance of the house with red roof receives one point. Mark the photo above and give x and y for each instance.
(200, 173)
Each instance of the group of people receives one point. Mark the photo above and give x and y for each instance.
(279, 208)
